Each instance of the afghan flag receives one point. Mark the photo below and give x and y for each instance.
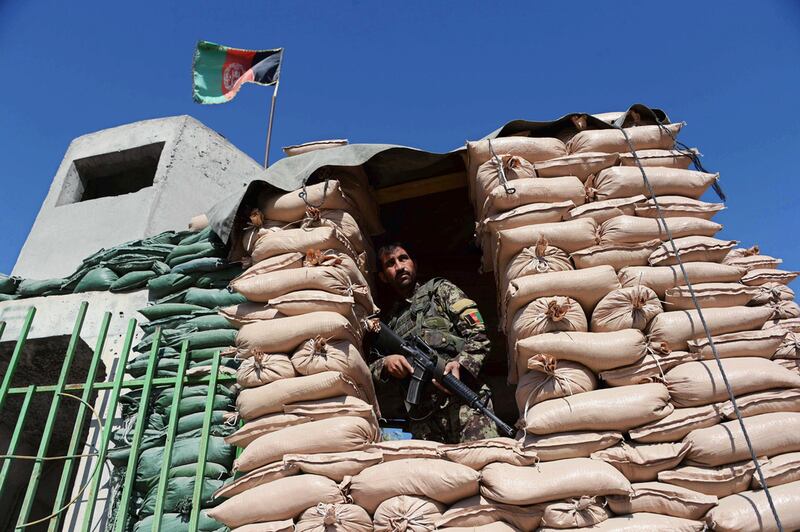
(219, 72)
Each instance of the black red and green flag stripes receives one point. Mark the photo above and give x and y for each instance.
(219, 71)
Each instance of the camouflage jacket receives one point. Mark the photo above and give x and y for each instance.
(446, 319)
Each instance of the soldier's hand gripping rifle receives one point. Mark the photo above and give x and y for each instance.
(428, 365)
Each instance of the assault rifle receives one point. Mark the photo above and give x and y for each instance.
(428, 365)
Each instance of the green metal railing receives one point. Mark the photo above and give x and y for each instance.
(64, 389)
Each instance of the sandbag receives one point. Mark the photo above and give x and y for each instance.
(343, 405)
(269, 398)
(626, 308)
(700, 383)
(581, 165)
(600, 211)
(497, 526)
(650, 368)
(615, 141)
(619, 408)
(709, 295)
(770, 434)
(750, 510)
(569, 444)
(568, 236)
(784, 310)
(760, 276)
(287, 525)
(551, 481)
(642, 522)
(257, 477)
(212, 298)
(552, 190)
(788, 352)
(263, 425)
(633, 229)
(305, 301)
(284, 335)
(331, 435)
(666, 158)
(408, 513)
(549, 378)
(279, 242)
(335, 466)
(676, 328)
(477, 454)
(334, 518)
(548, 314)
(402, 449)
(440, 480)
(290, 206)
(672, 206)
(718, 481)
(753, 262)
(531, 149)
(626, 181)
(287, 261)
(663, 499)
(641, 462)
(262, 368)
(781, 400)
(617, 256)
(265, 287)
(772, 292)
(478, 511)
(244, 313)
(692, 249)
(575, 513)
(779, 470)
(537, 259)
(132, 281)
(678, 424)
(489, 175)
(664, 277)
(285, 498)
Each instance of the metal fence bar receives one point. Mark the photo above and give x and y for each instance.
(131, 384)
(172, 428)
(12, 445)
(65, 485)
(141, 421)
(203, 454)
(36, 474)
(91, 498)
(15, 357)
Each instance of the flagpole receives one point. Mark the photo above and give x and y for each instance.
(271, 117)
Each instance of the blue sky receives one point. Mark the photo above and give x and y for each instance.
(423, 74)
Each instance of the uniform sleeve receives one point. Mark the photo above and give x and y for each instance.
(468, 323)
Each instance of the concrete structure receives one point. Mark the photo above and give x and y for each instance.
(130, 182)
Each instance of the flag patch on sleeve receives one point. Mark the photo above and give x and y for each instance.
(473, 316)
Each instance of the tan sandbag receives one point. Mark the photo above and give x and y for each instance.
(340, 434)
(334, 518)
(306, 147)
(263, 368)
(569, 444)
(263, 425)
(750, 510)
(198, 223)
(489, 176)
(753, 262)
(641, 462)
(633, 229)
(663, 499)
(537, 259)
(286, 334)
(770, 434)
(342, 220)
(355, 184)
(290, 207)
(548, 314)
(477, 454)
(343, 405)
(271, 285)
(738, 253)
(676, 328)
(402, 449)
(760, 276)
(498, 526)
(614, 140)
(568, 236)
(780, 469)
(700, 383)
(287, 261)
(791, 324)
(587, 287)
(626, 181)
(335, 466)
(551, 481)
(300, 239)
(718, 481)
(479, 511)
(678, 424)
(788, 354)
(709, 295)
(772, 292)
(256, 402)
(664, 158)
(581, 165)
(783, 310)
(600, 211)
(574, 513)
(440, 480)
(286, 498)
(692, 249)
(305, 301)
(244, 313)
(536, 190)
(619, 408)
(257, 477)
(651, 368)
(672, 206)
(408, 513)
(531, 149)
(549, 378)
(286, 525)
(626, 308)
(781, 400)
(642, 522)
(664, 277)
(617, 256)
(597, 351)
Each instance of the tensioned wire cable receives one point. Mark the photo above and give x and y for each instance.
(663, 223)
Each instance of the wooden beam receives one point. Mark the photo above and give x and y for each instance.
(421, 187)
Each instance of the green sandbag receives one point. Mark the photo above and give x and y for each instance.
(179, 523)
(169, 338)
(8, 297)
(212, 338)
(193, 238)
(165, 367)
(97, 280)
(132, 280)
(168, 284)
(161, 268)
(164, 400)
(185, 451)
(212, 298)
(206, 323)
(165, 310)
(191, 425)
(178, 496)
(130, 263)
(203, 265)
(36, 288)
(8, 285)
(192, 251)
(167, 237)
(221, 278)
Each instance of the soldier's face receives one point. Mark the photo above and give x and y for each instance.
(398, 270)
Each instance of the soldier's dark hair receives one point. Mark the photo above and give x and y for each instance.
(388, 248)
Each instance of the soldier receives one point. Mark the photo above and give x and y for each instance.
(447, 320)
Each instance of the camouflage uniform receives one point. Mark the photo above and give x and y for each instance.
(447, 320)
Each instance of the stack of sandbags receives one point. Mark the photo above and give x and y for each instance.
(610, 359)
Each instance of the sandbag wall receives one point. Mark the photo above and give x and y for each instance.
(619, 395)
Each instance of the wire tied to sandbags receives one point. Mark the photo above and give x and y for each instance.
(695, 302)
(326, 174)
(501, 170)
